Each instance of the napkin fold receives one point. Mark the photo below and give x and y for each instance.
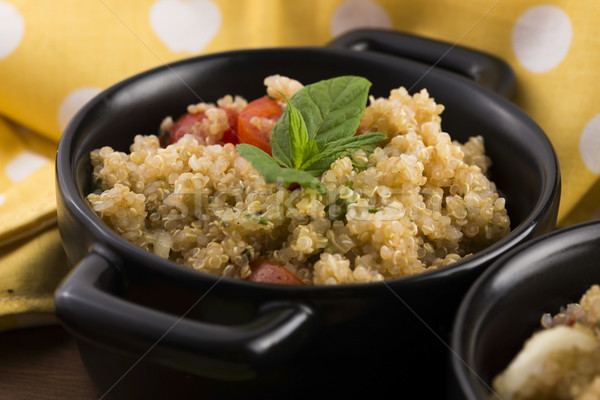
(32, 260)
(31, 268)
(54, 56)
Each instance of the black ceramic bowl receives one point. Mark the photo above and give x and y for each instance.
(147, 327)
(504, 307)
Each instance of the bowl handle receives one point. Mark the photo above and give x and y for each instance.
(487, 70)
(86, 307)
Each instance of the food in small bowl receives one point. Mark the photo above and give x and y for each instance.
(528, 328)
(560, 361)
(321, 190)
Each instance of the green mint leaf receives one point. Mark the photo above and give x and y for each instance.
(339, 148)
(280, 141)
(303, 178)
(297, 136)
(332, 108)
(311, 150)
(260, 160)
(317, 127)
(273, 173)
(356, 142)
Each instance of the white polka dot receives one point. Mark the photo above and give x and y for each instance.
(73, 103)
(23, 165)
(541, 37)
(2, 199)
(589, 145)
(12, 28)
(185, 26)
(356, 14)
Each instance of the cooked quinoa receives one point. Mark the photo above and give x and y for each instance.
(419, 202)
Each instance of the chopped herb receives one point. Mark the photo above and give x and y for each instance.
(248, 253)
(351, 185)
(225, 224)
(317, 127)
(257, 219)
(336, 211)
(337, 202)
(373, 210)
(360, 167)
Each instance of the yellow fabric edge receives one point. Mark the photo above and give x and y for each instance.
(30, 271)
(43, 303)
(26, 320)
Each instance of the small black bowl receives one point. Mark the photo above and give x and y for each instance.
(504, 306)
(223, 338)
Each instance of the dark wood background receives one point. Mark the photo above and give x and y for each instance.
(42, 363)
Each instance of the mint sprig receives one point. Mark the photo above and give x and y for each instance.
(317, 127)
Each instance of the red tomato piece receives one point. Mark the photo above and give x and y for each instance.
(259, 136)
(267, 271)
(231, 134)
(185, 124)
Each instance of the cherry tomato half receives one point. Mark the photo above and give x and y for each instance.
(267, 271)
(186, 122)
(263, 107)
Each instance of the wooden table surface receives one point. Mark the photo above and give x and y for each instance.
(42, 363)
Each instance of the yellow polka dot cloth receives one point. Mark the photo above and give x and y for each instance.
(55, 55)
